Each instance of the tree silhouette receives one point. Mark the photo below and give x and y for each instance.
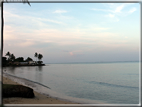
(36, 55)
(8, 54)
(23, 1)
(40, 56)
(12, 57)
(19, 59)
(4, 61)
(29, 59)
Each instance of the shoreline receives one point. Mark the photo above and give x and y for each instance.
(22, 65)
(46, 91)
(39, 98)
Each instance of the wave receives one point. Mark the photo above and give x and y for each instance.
(111, 85)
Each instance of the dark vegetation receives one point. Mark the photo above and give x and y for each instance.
(9, 90)
(11, 60)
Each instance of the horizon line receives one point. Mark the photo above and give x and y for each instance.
(90, 62)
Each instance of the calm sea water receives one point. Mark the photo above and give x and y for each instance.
(111, 83)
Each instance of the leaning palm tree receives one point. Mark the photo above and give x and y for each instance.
(23, 1)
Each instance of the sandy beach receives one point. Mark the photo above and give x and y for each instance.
(39, 98)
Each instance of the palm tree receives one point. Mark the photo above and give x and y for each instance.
(12, 57)
(8, 54)
(40, 56)
(36, 55)
(24, 1)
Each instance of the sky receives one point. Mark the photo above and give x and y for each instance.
(73, 32)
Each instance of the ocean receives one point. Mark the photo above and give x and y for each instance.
(87, 83)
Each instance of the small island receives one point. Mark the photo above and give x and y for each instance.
(11, 60)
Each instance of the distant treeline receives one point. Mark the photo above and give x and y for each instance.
(11, 60)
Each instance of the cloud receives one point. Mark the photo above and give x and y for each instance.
(104, 10)
(8, 33)
(95, 28)
(66, 37)
(60, 11)
(114, 10)
(111, 15)
(27, 43)
(49, 20)
(31, 22)
(119, 8)
(132, 10)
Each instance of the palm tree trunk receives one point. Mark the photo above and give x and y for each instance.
(2, 27)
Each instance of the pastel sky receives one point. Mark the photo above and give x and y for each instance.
(73, 32)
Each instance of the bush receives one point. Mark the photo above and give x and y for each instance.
(9, 90)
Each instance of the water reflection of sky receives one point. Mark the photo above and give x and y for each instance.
(100, 80)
